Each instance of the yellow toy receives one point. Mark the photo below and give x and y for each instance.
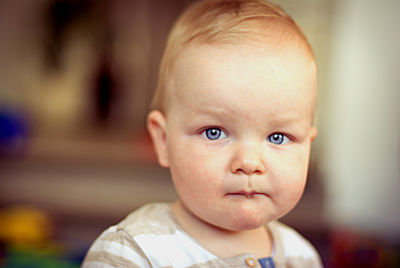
(24, 225)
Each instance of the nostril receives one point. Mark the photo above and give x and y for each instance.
(258, 172)
(248, 171)
(239, 170)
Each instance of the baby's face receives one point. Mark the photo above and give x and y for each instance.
(238, 128)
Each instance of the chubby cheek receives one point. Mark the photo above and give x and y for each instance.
(195, 175)
(290, 188)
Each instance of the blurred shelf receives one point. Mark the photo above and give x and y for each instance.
(94, 148)
(83, 189)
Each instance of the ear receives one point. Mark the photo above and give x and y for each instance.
(313, 133)
(156, 125)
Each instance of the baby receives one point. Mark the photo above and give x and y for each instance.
(232, 120)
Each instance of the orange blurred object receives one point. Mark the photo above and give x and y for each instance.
(24, 225)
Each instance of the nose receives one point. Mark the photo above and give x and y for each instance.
(248, 160)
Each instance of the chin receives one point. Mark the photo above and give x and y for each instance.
(248, 226)
(246, 223)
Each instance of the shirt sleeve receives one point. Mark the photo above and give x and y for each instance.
(115, 248)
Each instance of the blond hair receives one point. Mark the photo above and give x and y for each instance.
(222, 21)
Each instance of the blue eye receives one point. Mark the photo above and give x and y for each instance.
(214, 134)
(278, 138)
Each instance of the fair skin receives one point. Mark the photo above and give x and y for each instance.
(236, 135)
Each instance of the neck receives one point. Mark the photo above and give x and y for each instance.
(222, 242)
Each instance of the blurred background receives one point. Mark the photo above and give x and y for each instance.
(76, 79)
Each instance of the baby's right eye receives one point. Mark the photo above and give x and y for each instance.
(213, 133)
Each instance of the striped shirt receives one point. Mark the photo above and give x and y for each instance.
(152, 237)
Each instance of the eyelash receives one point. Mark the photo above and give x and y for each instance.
(206, 133)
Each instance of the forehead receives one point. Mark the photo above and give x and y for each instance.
(275, 76)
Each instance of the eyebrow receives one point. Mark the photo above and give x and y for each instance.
(216, 111)
(226, 112)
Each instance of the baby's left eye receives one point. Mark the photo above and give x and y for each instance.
(278, 138)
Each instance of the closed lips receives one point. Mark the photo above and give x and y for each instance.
(247, 194)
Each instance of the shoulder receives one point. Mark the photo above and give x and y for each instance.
(148, 237)
(155, 218)
(114, 248)
(293, 243)
(117, 247)
(293, 246)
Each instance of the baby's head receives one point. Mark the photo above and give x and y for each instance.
(230, 22)
(232, 113)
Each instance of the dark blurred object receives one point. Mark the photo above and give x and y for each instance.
(60, 16)
(351, 249)
(66, 18)
(30, 258)
(104, 86)
(14, 132)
